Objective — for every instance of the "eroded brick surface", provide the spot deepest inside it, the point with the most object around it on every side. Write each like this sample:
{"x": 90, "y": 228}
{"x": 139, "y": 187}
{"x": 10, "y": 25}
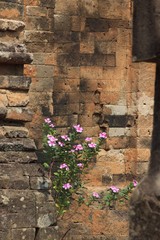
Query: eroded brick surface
{"x": 82, "y": 72}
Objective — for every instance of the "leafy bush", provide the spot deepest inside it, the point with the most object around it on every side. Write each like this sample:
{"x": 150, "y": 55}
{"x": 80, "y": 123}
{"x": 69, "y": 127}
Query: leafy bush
{"x": 68, "y": 157}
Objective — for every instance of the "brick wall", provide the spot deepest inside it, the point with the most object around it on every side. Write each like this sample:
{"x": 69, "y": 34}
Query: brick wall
{"x": 82, "y": 72}
{"x": 27, "y": 207}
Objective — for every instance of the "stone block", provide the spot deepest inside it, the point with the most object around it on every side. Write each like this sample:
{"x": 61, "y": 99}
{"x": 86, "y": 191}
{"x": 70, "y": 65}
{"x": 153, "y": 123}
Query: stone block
{"x": 103, "y": 25}
{"x": 34, "y": 170}
{"x": 38, "y": 37}
{"x": 71, "y": 7}
{"x": 144, "y": 142}
{"x": 102, "y": 60}
{"x": 11, "y": 25}
{"x": 115, "y": 132}
{"x": 120, "y": 120}
{"x": 117, "y": 109}
{"x": 66, "y": 85}
{"x": 36, "y": 11}
{"x": 18, "y": 144}
{"x": 40, "y": 183}
{"x": 5, "y": 234}
{"x": 11, "y": 10}
{"x": 18, "y": 157}
{"x": 15, "y": 58}
{"x": 15, "y": 132}
{"x": 46, "y": 219}
{"x": 23, "y": 233}
{"x": 62, "y": 22}
{"x": 44, "y": 71}
{"x": 14, "y": 182}
{"x": 42, "y": 84}
{"x": 76, "y": 23}
{"x": 142, "y": 168}
{"x": 44, "y": 59}
{"x": 47, "y": 3}
{"x": 18, "y": 208}
{"x": 19, "y": 114}
{"x": 15, "y": 82}
{"x": 115, "y": 9}
{"x": 38, "y": 23}
{"x": 89, "y": 8}
{"x": 121, "y": 142}
{"x": 48, "y": 233}
{"x": 3, "y": 110}
{"x": 17, "y": 99}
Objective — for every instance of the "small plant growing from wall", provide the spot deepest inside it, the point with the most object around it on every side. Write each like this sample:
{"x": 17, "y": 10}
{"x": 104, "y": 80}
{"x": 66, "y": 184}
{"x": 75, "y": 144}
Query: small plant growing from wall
{"x": 68, "y": 158}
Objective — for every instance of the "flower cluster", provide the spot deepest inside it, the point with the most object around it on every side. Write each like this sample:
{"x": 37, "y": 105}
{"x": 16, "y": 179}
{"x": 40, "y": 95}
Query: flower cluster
{"x": 69, "y": 157}
{"x": 116, "y": 194}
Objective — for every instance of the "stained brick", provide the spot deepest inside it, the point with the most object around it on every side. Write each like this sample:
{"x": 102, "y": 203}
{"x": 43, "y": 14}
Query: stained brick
{"x": 120, "y": 120}
{"x": 103, "y": 25}
{"x": 36, "y": 11}
{"x": 19, "y": 114}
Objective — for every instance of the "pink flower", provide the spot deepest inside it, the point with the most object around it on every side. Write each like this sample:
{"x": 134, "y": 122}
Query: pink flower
{"x": 103, "y": 135}
{"x": 60, "y": 144}
{"x": 88, "y": 139}
{"x": 51, "y": 140}
{"x": 92, "y": 145}
{"x": 65, "y": 137}
{"x": 135, "y": 183}
{"x": 78, "y": 128}
{"x": 78, "y": 147}
{"x": 95, "y": 194}
{"x": 114, "y": 189}
{"x": 64, "y": 165}
{"x": 52, "y": 125}
{"x": 80, "y": 165}
{"x": 51, "y": 143}
{"x": 47, "y": 120}
{"x": 72, "y": 151}
{"x": 67, "y": 186}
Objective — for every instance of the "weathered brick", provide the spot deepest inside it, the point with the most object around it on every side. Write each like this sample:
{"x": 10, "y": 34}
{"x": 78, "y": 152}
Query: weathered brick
{"x": 115, "y": 9}
{"x": 71, "y": 7}
{"x": 121, "y": 142}
{"x": 144, "y": 142}
{"x": 42, "y": 85}
{"x": 19, "y": 114}
{"x": 119, "y": 120}
{"x": 19, "y": 144}
{"x": 24, "y": 233}
{"x": 36, "y": 11}
{"x": 47, "y": 233}
{"x": 76, "y": 23}
{"x": 3, "y": 110}
{"x": 40, "y": 183}
{"x": 67, "y": 85}
{"x": 103, "y": 25}
{"x": 47, "y": 3}
{"x": 38, "y": 23}
{"x": 87, "y": 44}
{"x": 21, "y": 157}
{"x": 11, "y": 10}
{"x": 13, "y": 132}
{"x": 11, "y": 25}
{"x": 15, "y": 82}
{"x": 92, "y": 72}
{"x": 38, "y": 36}
{"x": 89, "y": 8}
{"x": 62, "y": 23}
{"x": 17, "y": 99}
{"x": 15, "y": 58}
